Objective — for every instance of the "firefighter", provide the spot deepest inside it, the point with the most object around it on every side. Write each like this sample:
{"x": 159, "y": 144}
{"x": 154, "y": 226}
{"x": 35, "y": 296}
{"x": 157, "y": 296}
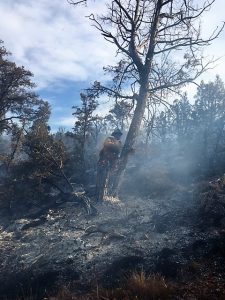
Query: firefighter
{"x": 107, "y": 163}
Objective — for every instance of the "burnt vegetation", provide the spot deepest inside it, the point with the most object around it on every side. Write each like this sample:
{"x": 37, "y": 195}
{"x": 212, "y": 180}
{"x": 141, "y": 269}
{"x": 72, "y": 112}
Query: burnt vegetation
{"x": 169, "y": 180}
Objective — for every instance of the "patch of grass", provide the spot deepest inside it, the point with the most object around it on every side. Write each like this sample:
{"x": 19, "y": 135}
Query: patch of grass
{"x": 145, "y": 287}
{"x": 64, "y": 293}
{"x": 138, "y": 286}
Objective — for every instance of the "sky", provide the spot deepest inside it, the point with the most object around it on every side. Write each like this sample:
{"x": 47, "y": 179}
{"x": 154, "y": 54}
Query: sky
{"x": 56, "y": 42}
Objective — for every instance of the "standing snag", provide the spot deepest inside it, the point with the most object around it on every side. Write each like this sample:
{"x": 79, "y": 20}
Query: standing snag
{"x": 159, "y": 44}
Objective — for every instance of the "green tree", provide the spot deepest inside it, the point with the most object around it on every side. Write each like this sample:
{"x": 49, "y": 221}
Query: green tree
{"x": 18, "y": 101}
{"x": 210, "y": 120}
{"x": 45, "y": 153}
{"x": 85, "y": 118}
{"x": 182, "y": 115}
{"x": 120, "y": 114}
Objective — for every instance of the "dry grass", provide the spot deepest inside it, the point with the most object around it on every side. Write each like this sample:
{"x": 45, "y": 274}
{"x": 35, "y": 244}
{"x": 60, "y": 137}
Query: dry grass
{"x": 148, "y": 287}
{"x": 64, "y": 293}
{"x": 138, "y": 286}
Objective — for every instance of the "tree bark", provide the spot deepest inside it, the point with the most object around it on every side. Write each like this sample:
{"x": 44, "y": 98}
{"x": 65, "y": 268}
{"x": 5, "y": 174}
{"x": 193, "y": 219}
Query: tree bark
{"x": 144, "y": 71}
{"x": 132, "y": 135}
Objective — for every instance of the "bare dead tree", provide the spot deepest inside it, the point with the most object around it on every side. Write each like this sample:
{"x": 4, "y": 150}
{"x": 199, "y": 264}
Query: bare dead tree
{"x": 160, "y": 43}
{"x": 77, "y": 2}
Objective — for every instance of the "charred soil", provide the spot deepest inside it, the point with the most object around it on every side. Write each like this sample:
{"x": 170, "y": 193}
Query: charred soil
{"x": 167, "y": 242}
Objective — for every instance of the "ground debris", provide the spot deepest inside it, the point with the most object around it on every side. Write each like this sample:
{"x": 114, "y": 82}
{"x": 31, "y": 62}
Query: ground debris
{"x": 155, "y": 235}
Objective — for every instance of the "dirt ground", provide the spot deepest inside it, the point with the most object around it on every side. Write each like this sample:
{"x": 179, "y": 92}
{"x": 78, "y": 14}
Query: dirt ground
{"x": 65, "y": 245}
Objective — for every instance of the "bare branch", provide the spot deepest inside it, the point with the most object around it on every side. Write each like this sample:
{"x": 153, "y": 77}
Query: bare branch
{"x": 77, "y": 2}
{"x": 147, "y": 33}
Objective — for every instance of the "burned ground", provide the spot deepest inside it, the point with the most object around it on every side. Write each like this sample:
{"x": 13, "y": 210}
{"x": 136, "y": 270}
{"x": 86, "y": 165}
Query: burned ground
{"x": 65, "y": 246}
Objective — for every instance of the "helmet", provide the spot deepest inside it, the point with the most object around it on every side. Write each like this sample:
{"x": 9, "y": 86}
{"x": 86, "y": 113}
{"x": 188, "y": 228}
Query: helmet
{"x": 117, "y": 132}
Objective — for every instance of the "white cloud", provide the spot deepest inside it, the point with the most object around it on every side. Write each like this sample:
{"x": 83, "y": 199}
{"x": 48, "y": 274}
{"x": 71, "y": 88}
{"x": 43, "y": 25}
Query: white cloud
{"x": 57, "y": 43}
{"x": 213, "y": 19}
{"x": 64, "y": 122}
{"x": 54, "y": 41}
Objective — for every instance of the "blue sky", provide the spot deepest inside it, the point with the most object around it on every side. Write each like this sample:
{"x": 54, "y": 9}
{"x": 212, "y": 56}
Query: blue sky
{"x": 55, "y": 41}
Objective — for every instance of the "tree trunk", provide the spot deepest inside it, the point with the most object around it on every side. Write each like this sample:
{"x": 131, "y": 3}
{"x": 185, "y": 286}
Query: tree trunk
{"x": 131, "y": 135}
{"x": 144, "y": 71}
